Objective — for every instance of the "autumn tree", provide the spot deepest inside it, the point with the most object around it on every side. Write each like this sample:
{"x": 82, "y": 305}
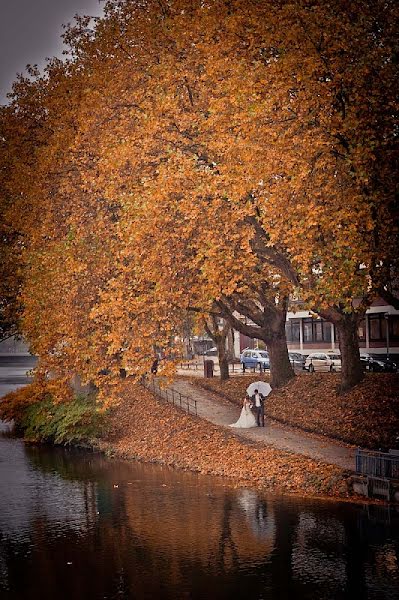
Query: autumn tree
{"x": 224, "y": 154}
{"x": 21, "y": 133}
{"x": 266, "y": 111}
{"x": 219, "y": 332}
{"x": 10, "y": 280}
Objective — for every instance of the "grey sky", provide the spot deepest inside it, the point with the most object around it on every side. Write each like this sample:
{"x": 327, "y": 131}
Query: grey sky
{"x": 30, "y": 31}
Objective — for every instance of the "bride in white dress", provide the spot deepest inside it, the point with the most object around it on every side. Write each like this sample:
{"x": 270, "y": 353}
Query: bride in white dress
{"x": 247, "y": 419}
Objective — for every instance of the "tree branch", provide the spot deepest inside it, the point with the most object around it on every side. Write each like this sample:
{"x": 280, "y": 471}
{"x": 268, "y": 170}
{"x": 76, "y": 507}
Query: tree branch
{"x": 249, "y": 330}
{"x": 190, "y": 95}
{"x": 270, "y": 253}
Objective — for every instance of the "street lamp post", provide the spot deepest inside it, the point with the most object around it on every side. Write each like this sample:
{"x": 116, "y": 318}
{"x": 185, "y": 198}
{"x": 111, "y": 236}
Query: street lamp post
{"x": 386, "y": 316}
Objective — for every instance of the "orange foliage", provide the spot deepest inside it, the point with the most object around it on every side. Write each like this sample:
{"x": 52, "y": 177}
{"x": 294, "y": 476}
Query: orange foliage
{"x": 189, "y": 153}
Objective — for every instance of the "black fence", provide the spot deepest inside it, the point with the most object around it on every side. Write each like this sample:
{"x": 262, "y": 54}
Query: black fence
{"x": 233, "y": 367}
{"x": 199, "y": 366}
{"x": 378, "y": 464}
{"x": 186, "y": 403}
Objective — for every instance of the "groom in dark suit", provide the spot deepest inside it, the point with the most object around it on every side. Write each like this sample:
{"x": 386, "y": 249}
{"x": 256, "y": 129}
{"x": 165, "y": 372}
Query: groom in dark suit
{"x": 258, "y": 401}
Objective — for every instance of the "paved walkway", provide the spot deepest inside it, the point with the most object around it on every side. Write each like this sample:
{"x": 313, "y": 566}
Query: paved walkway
{"x": 222, "y": 412}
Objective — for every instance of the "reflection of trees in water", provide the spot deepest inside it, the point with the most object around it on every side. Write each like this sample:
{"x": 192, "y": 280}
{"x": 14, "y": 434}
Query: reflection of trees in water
{"x": 31, "y": 494}
{"x": 197, "y": 523}
{"x": 158, "y": 531}
{"x": 163, "y": 534}
{"x": 228, "y": 556}
{"x": 382, "y": 573}
{"x": 69, "y": 463}
{"x": 317, "y": 553}
{"x": 336, "y": 553}
{"x": 194, "y": 521}
{"x": 198, "y": 537}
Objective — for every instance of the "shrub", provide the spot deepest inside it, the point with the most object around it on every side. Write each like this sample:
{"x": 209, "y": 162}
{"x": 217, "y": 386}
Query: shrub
{"x": 41, "y": 419}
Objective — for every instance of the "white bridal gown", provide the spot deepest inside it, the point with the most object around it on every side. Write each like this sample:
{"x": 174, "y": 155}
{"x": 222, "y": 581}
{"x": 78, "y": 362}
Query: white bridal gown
{"x": 246, "y": 419}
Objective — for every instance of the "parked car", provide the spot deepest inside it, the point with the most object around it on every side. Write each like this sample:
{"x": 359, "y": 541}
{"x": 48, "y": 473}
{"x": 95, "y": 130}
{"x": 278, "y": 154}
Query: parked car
{"x": 378, "y": 363}
{"x": 323, "y": 361}
{"x": 297, "y": 360}
{"x": 391, "y": 366}
{"x": 255, "y": 358}
{"x": 211, "y": 352}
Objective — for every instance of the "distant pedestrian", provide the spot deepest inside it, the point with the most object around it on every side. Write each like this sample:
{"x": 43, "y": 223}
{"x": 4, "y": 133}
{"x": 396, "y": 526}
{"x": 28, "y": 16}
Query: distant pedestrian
{"x": 154, "y": 367}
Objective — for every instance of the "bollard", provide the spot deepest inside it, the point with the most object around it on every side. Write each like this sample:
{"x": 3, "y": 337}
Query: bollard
{"x": 208, "y": 368}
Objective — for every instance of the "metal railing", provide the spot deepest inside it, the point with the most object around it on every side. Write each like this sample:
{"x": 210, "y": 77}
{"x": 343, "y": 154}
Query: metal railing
{"x": 233, "y": 367}
{"x": 377, "y": 464}
{"x": 199, "y": 366}
{"x": 182, "y": 401}
{"x": 379, "y": 487}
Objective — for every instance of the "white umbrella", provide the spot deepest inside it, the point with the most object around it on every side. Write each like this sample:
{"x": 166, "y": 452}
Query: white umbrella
{"x": 262, "y": 387}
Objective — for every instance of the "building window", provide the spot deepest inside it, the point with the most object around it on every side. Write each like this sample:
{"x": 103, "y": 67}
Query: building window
{"x": 316, "y": 330}
{"x": 327, "y": 331}
{"x": 378, "y": 327}
{"x": 308, "y": 330}
{"x": 394, "y": 327}
{"x": 292, "y": 328}
{"x": 374, "y": 327}
{"x": 361, "y": 330}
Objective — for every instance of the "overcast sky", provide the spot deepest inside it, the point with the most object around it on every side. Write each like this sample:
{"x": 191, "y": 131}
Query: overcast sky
{"x": 30, "y": 31}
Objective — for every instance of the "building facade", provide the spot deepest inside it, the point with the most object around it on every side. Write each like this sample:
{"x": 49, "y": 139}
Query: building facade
{"x": 378, "y": 331}
{"x": 306, "y": 332}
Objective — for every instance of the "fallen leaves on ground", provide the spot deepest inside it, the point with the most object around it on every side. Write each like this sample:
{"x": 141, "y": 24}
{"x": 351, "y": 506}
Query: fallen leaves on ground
{"x": 367, "y": 416}
{"x": 145, "y": 428}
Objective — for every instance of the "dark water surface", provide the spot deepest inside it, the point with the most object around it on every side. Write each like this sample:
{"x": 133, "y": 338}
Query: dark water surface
{"x": 75, "y": 525}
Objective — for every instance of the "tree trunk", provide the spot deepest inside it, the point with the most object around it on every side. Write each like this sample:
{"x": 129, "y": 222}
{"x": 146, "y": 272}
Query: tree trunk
{"x": 219, "y": 336}
{"x": 352, "y": 372}
{"x": 223, "y": 358}
{"x": 269, "y": 327}
{"x": 281, "y": 370}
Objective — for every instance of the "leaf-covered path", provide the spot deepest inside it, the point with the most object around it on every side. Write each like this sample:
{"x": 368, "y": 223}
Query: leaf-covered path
{"x": 222, "y": 412}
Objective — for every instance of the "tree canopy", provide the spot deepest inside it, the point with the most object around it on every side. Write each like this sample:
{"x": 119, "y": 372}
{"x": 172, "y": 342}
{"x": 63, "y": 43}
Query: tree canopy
{"x": 214, "y": 156}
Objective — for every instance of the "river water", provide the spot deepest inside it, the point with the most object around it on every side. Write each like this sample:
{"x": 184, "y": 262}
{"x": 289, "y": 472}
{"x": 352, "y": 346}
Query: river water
{"x": 76, "y": 525}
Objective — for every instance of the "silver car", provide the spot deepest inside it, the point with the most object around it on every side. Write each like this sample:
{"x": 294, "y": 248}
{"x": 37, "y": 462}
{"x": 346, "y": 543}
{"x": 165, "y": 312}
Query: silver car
{"x": 323, "y": 361}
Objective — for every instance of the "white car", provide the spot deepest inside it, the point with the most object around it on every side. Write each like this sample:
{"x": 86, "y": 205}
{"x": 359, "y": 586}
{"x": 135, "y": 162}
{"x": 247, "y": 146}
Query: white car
{"x": 323, "y": 361}
{"x": 211, "y": 351}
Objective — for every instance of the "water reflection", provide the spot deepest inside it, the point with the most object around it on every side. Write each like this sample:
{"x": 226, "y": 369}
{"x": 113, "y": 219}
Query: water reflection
{"x": 76, "y": 525}
{"x": 318, "y": 551}
{"x": 93, "y": 528}
{"x": 29, "y": 495}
